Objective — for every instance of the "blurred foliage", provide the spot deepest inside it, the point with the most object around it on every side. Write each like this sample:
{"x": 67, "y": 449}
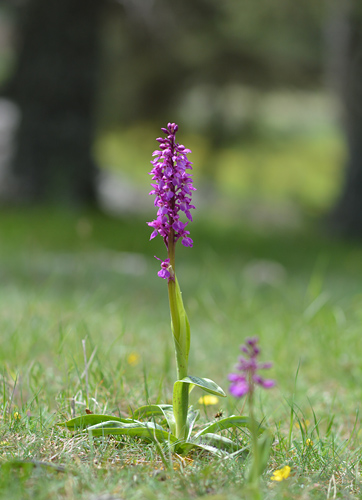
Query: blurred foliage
{"x": 244, "y": 80}
{"x": 279, "y": 164}
{"x": 157, "y": 56}
{"x": 155, "y": 53}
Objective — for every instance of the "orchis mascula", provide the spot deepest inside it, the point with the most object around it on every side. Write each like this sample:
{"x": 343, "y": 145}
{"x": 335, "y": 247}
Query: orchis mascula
{"x": 244, "y": 384}
{"x": 172, "y": 187}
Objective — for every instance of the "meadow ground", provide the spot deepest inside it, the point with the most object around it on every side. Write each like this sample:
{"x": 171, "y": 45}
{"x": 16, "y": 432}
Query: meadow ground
{"x": 69, "y": 277}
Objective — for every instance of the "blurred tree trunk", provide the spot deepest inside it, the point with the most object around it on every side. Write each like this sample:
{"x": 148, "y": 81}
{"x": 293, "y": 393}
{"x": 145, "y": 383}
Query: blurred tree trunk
{"x": 54, "y": 85}
{"x": 345, "y": 47}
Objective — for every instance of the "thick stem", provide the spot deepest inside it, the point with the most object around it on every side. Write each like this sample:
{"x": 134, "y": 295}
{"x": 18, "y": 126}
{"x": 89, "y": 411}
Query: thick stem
{"x": 180, "y": 403}
{"x": 175, "y": 319}
{"x": 180, "y": 400}
{"x": 181, "y": 359}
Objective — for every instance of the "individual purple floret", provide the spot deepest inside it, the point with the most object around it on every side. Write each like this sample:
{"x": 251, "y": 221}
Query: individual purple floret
{"x": 166, "y": 269}
{"x": 244, "y": 382}
{"x": 172, "y": 186}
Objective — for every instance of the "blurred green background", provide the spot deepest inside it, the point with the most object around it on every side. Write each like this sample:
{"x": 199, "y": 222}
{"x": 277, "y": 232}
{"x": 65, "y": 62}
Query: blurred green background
{"x": 258, "y": 91}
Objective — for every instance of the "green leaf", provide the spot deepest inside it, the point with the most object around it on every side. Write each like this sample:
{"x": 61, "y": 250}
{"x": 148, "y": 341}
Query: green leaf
{"x": 184, "y": 334}
{"x": 180, "y": 327}
{"x": 241, "y": 451}
{"x": 180, "y": 400}
{"x": 186, "y": 447}
{"x": 219, "y": 442}
{"x": 151, "y": 411}
{"x": 181, "y": 335}
{"x": 226, "y": 423}
{"x": 129, "y": 425}
{"x": 192, "y": 416}
{"x": 204, "y": 383}
{"x": 149, "y": 431}
{"x": 87, "y": 420}
{"x": 155, "y": 411}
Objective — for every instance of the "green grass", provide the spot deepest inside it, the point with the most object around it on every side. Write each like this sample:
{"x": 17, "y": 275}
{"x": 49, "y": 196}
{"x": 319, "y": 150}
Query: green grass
{"x": 67, "y": 277}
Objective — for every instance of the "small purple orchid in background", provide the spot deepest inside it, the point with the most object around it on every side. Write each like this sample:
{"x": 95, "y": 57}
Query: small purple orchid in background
{"x": 244, "y": 383}
{"x": 173, "y": 189}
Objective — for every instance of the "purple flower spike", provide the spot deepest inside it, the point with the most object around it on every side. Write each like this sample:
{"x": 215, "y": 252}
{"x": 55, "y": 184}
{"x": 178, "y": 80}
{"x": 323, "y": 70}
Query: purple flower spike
{"x": 172, "y": 186}
{"x": 244, "y": 382}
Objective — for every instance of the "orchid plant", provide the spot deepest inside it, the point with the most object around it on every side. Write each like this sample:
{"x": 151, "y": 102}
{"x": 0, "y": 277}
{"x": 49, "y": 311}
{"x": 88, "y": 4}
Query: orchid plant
{"x": 173, "y": 424}
{"x": 243, "y": 384}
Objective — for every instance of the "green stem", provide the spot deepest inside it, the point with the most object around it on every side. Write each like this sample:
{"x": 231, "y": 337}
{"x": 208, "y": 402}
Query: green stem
{"x": 180, "y": 404}
{"x": 181, "y": 360}
{"x": 171, "y": 248}
{"x": 181, "y": 357}
{"x": 180, "y": 400}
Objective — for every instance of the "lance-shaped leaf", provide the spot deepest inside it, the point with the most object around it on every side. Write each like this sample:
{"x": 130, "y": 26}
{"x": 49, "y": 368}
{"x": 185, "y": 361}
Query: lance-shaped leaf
{"x": 165, "y": 411}
{"x": 114, "y": 424}
{"x": 204, "y": 383}
{"x": 148, "y": 431}
{"x": 192, "y": 416}
{"x": 92, "y": 419}
{"x": 219, "y": 442}
{"x": 227, "y": 423}
{"x": 186, "y": 447}
{"x": 180, "y": 327}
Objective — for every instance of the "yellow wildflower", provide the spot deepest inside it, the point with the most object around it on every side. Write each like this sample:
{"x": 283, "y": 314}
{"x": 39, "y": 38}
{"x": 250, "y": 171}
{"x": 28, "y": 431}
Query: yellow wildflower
{"x": 279, "y": 475}
{"x": 309, "y": 442}
{"x": 133, "y": 358}
{"x": 17, "y": 415}
{"x": 208, "y": 400}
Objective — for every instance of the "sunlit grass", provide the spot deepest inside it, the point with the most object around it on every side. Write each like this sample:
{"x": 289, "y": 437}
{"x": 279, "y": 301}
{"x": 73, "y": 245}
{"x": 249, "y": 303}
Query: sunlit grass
{"x": 298, "y": 291}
